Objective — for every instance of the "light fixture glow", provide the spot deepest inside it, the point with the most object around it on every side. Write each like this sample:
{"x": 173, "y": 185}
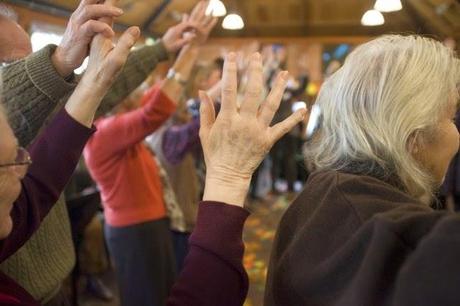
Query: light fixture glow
{"x": 233, "y": 22}
{"x": 388, "y": 5}
{"x": 216, "y": 8}
{"x": 372, "y": 18}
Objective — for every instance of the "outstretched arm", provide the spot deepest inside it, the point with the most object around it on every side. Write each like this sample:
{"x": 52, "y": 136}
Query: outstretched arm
{"x": 234, "y": 143}
{"x": 57, "y": 150}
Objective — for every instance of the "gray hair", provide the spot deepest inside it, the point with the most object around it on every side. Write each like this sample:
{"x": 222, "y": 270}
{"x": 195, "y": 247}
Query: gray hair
{"x": 389, "y": 93}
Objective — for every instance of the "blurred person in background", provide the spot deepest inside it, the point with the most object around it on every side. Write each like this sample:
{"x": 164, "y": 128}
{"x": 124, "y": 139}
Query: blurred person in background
{"x": 177, "y": 146}
{"x": 137, "y": 227}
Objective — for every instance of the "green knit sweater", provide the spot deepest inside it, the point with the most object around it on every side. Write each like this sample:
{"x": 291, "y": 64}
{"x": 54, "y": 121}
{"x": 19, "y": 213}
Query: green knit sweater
{"x": 32, "y": 90}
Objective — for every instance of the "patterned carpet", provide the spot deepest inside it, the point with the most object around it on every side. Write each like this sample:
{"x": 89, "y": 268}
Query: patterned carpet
{"x": 258, "y": 236}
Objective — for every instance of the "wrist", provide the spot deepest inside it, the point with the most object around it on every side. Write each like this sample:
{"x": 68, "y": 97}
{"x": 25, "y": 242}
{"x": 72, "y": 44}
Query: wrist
{"x": 59, "y": 64}
{"x": 171, "y": 54}
{"x": 226, "y": 189}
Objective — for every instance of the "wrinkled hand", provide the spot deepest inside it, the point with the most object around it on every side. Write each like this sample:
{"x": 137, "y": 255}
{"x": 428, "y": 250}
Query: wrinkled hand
{"x": 237, "y": 140}
{"x": 202, "y": 23}
{"x": 83, "y": 25}
{"x": 105, "y": 62}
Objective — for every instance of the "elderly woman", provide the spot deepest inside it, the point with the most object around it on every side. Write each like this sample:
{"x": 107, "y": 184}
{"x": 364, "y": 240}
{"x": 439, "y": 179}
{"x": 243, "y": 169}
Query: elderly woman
{"x": 27, "y": 193}
{"x": 362, "y": 231}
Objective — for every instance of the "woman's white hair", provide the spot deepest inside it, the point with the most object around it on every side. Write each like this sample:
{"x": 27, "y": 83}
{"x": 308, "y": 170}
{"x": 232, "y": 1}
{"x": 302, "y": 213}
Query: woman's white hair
{"x": 387, "y": 97}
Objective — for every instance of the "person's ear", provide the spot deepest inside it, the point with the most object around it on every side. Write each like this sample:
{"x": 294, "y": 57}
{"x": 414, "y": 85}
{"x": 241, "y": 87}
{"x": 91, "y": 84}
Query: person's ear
{"x": 415, "y": 143}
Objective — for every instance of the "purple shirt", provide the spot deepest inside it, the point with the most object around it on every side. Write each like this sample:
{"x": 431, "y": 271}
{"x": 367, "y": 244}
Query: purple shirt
{"x": 178, "y": 140}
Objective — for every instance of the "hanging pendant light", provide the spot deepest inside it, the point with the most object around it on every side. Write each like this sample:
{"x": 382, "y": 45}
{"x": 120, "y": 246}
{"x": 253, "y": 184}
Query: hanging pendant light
{"x": 233, "y": 22}
{"x": 216, "y": 8}
{"x": 387, "y": 6}
{"x": 372, "y": 18}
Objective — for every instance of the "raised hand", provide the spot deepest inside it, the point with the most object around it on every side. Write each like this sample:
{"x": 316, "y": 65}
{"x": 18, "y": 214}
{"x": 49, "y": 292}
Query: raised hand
{"x": 105, "y": 62}
{"x": 178, "y": 36}
{"x": 83, "y": 25}
{"x": 237, "y": 140}
{"x": 194, "y": 28}
{"x": 203, "y": 24}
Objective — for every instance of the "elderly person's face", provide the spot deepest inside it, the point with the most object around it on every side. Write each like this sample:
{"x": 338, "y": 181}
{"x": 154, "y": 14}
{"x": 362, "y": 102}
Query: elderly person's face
{"x": 437, "y": 152}
{"x": 9, "y": 178}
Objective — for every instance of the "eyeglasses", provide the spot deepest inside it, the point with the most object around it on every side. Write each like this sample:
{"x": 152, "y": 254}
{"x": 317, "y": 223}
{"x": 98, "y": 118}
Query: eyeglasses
{"x": 21, "y": 163}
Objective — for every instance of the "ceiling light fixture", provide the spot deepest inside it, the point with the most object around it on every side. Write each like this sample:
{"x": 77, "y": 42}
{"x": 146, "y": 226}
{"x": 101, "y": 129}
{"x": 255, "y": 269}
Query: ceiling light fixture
{"x": 372, "y": 18}
{"x": 233, "y": 22}
{"x": 387, "y": 6}
{"x": 216, "y": 8}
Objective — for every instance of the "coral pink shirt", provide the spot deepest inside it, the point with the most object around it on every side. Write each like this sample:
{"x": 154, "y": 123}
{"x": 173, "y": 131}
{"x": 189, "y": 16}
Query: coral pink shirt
{"x": 123, "y": 167}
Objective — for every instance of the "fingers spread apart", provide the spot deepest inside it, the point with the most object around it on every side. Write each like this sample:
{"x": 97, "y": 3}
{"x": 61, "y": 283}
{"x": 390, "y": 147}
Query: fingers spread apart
{"x": 254, "y": 87}
{"x": 229, "y": 85}
{"x": 272, "y": 103}
{"x": 282, "y": 128}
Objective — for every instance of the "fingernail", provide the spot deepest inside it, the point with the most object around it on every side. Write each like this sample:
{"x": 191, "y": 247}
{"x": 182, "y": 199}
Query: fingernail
{"x": 256, "y": 56}
{"x": 284, "y": 75}
{"x": 119, "y": 11}
{"x": 134, "y": 31}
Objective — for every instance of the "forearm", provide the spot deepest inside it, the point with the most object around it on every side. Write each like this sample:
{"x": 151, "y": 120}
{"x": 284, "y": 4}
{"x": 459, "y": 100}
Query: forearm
{"x": 83, "y": 103}
{"x": 140, "y": 64}
{"x": 213, "y": 273}
{"x": 182, "y": 66}
{"x": 122, "y": 131}
{"x": 32, "y": 89}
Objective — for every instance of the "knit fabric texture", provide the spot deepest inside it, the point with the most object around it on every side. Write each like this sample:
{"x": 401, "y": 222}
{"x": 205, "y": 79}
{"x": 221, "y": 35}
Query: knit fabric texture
{"x": 47, "y": 258}
{"x": 32, "y": 89}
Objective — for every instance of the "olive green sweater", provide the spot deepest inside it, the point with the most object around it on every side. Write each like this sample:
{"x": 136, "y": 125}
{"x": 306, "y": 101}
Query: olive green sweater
{"x": 32, "y": 91}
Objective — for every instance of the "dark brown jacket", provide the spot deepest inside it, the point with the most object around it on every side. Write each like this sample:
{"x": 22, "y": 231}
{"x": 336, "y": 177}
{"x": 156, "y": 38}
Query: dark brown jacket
{"x": 355, "y": 240}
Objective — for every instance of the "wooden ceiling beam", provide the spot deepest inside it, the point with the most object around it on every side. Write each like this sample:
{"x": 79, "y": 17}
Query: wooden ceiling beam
{"x": 311, "y": 30}
{"x": 155, "y": 14}
{"x": 434, "y": 21}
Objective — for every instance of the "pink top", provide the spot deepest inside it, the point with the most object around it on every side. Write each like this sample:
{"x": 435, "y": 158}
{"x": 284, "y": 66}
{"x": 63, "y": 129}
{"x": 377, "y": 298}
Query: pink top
{"x": 123, "y": 167}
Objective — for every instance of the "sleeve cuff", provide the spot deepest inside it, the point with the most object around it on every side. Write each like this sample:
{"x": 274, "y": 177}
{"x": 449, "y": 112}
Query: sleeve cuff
{"x": 219, "y": 228}
{"x": 160, "y": 49}
{"x": 44, "y": 76}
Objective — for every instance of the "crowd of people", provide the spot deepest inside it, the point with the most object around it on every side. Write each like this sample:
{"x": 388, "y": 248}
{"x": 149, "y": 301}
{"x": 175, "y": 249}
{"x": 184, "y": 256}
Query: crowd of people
{"x": 175, "y": 160}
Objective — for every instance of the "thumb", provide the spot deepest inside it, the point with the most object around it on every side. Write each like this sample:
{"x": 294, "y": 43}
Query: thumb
{"x": 117, "y": 57}
{"x": 282, "y": 128}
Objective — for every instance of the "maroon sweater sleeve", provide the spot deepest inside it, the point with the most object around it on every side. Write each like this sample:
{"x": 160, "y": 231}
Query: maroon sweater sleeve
{"x": 213, "y": 272}
{"x": 55, "y": 154}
